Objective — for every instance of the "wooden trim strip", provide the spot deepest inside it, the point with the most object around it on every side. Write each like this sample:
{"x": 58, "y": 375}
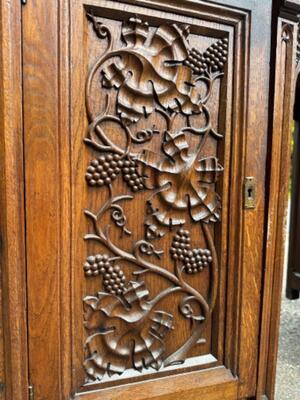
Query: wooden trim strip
{"x": 12, "y": 249}
{"x": 277, "y": 214}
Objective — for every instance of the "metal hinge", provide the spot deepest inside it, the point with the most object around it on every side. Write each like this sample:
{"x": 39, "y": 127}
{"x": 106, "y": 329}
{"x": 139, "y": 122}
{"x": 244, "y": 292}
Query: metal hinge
{"x": 23, "y": 2}
{"x": 30, "y": 392}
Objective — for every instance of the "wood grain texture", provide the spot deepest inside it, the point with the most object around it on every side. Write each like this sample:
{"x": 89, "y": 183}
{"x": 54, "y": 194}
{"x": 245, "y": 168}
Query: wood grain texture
{"x": 253, "y": 235}
{"x": 12, "y": 241}
{"x": 278, "y": 197}
{"x": 59, "y": 48}
{"x": 181, "y": 157}
{"x": 79, "y": 70}
{"x": 212, "y": 384}
{"x": 46, "y": 147}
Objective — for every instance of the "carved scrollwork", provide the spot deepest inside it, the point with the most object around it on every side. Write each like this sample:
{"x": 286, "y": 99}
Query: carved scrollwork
{"x": 144, "y": 135}
{"x": 156, "y": 71}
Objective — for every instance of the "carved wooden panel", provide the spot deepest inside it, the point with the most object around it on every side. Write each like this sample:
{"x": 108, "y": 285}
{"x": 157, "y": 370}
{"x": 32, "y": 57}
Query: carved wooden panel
{"x": 150, "y": 267}
{"x": 169, "y": 174}
{"x": 156, "y": 145}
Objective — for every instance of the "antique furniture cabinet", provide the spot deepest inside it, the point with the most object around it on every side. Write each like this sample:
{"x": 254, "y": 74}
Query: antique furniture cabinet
{"x": 145, "y": 151}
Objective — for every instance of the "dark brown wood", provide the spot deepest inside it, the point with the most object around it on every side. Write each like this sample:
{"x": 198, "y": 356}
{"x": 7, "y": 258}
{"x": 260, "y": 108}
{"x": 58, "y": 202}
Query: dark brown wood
{"x": 164, "y": 293}
{"x": 14, "y": 376}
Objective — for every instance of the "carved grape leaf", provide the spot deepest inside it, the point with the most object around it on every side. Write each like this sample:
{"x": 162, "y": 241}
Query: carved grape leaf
{"x": 176, "y": 147}
{"x": 209, "y": 169}
{"x": 184, "y": 180}
{"x": 149, "y": 71}
{"x": 129, "y": 331}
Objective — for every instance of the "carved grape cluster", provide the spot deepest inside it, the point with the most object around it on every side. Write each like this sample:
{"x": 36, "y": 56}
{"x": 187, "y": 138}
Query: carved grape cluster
{"x": 114, "y": 280}
{"x": 214, "y": 57}
{"x": 194, "y": 260}
{"x": 104, "y": 170}
{"x": 197, "y": 260}
{"x": 181, "y": 245}
{"x": 131, "y": 175}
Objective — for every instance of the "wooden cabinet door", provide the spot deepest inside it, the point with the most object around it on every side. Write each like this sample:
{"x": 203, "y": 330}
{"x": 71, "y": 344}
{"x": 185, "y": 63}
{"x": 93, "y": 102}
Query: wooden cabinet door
{"x": 142, "y": 122}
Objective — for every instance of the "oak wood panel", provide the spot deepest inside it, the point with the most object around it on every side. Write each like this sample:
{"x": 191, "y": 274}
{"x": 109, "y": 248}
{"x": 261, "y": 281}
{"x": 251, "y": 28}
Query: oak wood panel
{"x": 55, "y": 200}
{"x": 255, "y": 157}
{"x": 252, "y": 277}
{"x": 278, "y": 178}
{"x": 250, "y": 273}
{"x": 12, "y": 249}
{"x": 77, "y": 120}
{"x": 212, "y": 384}
{"x": 283, "y": 128}
{"x": 46, "y": 142}
{"x": 80, "y": 173}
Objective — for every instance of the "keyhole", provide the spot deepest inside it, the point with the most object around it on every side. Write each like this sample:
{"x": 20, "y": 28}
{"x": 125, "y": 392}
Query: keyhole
{"x": 250, "y": 193}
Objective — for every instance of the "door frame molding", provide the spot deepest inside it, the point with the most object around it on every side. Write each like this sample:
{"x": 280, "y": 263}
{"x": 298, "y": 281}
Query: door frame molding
{"x": 12, "y": 222}
{"x": 282, "y": 93}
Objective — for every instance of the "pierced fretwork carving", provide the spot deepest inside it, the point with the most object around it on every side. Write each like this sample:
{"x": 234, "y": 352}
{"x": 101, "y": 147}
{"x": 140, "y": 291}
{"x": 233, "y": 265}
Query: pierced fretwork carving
{"x": 156, "y": 71}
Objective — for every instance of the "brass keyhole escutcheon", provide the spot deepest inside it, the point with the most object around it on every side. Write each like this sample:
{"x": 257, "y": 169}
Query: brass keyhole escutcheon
{"x": 250, "y": 193}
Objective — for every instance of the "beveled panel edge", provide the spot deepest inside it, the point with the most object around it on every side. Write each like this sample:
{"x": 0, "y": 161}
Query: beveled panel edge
{"x": 196, "y": 384}
{"x": 187, "y": 8}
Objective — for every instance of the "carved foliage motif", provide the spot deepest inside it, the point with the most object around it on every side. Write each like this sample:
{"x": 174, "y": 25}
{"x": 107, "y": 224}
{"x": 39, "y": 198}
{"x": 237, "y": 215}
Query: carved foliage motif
{"x": 156, "y": 71}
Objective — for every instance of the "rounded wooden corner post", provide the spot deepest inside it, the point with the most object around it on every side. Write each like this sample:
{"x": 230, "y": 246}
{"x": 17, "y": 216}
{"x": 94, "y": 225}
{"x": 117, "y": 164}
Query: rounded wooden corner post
{"x": 13, "y": 358}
